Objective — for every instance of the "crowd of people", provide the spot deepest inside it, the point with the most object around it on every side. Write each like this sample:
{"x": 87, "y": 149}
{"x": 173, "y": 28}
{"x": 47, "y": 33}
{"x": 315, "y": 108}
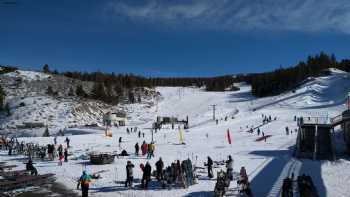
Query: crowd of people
{"x": 178, "y": 173}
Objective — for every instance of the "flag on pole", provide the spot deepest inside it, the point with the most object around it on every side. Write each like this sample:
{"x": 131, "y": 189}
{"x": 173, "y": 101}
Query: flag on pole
{"x": 181, "y": 136}
{"x": 229, "y": 136}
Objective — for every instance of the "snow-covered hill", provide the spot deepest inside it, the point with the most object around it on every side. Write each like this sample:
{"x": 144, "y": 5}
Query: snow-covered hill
{"x": 267, "y": 163}
{"x": 29, "y": 103}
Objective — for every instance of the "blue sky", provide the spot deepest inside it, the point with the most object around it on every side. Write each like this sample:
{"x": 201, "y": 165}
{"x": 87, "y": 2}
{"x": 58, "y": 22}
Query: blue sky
{"x": 171, "y": 38}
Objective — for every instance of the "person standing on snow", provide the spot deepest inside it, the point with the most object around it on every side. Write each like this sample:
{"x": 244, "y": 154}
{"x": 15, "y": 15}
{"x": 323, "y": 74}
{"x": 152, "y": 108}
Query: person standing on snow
{"x": 159, "y": 168}
{"x": 210, "y": 167}
{"x": 55, "y": 140}
{"x": 229, "y": 167}
{"x": 243, "y": 174}
{"x": 67, "y": 141}
{"x": 146, "y": 175}
{"x": 65, "y": 155}
{"x": 137, "y": 148}
{"x": 129, "y": 174}
{"x": 144, "y": 147}
{"x": 84, "y": 182}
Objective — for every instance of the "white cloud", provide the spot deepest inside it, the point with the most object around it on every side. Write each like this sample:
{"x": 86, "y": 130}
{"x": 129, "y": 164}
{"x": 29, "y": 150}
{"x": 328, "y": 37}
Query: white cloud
{"x": 296, "y": 15}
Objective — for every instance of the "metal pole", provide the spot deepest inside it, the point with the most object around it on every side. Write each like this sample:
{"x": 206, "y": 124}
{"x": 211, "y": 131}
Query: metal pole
{"x": 213, "y": 111}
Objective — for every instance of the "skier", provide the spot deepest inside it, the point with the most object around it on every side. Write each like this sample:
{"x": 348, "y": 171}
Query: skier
{"x": 229, "y": 167}
{"x": 129, "y": 174}
{"x": 60, "y": 158}
{"x": 137, "y": 148}
{"x": 287, "y": 131}
{"x": 146, "y": 175}
{"x": 263, "y": 134}
{"x": 67, "y": 141}
{"x": 258, "y": 131}
{"x": 55, "y": 140}
{"x": 143, "y": 135}
{"x": 120, "y": 141}
{"x": 139, "y": 134}
{"x": 210, "y": 167}
{"x": 159, "y": 168}
{"x": 84, "y": 182}
{"x": 31, "y": 168}
{"x": 65, "y": 155}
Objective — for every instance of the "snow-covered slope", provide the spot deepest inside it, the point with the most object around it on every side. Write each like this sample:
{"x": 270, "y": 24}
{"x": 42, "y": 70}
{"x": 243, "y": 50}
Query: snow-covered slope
{"x": 320, "y": 92}
{"x": 267, "y": 163}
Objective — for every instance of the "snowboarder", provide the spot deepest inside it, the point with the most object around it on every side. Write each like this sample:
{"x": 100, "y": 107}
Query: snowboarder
{"x": 159, "y": 168}
{"x": 210, "y": 167}
{"x": 67, "y": 142}
{"x": 31, "y": 168}
{"x": 129, "y": 174}
{"x": 146, "y": 177}
{"x": 137, "y": 148}
{"x": 229, "y": 167}
{"x": 84, "y": 182}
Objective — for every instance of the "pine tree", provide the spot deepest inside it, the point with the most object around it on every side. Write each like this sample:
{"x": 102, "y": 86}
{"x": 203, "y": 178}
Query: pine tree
{"x": 2, "y": 98}
{"x": 131, "y": 96}
{"x": 46, "y": 68}
{"x": 71, "y": 92}
{"x": 80, "y": 91}
{"x": 46, "y": 132}
{"x": 98, "y": 92}
{"x": 139, "y": 98}
{"x": 50, "y": 91}
{"x": 7, "y": 109}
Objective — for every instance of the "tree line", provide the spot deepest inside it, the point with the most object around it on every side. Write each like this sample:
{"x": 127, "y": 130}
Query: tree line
{"x": 284, "y": 79}
{"x": 108, "y": 87}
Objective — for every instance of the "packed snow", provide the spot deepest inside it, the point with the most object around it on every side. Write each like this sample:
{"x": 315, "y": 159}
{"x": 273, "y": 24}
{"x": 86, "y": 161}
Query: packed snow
{"x": 267, "y": 163}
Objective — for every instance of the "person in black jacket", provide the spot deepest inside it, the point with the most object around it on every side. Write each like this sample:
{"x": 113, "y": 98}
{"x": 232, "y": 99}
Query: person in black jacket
{"x": 137, "y": 148}
{"x": 210, "y": 167}
{"x": 159, "y": 167}
{"x": 31, "y": 168}
{"x": 129, "y": 174}
{"x": 146, "y": 175}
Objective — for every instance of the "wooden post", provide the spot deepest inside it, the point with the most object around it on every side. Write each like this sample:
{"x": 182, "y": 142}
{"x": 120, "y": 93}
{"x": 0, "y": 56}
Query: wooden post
{"x": 331, "y": 134}
{"x": 315, "y": 143}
